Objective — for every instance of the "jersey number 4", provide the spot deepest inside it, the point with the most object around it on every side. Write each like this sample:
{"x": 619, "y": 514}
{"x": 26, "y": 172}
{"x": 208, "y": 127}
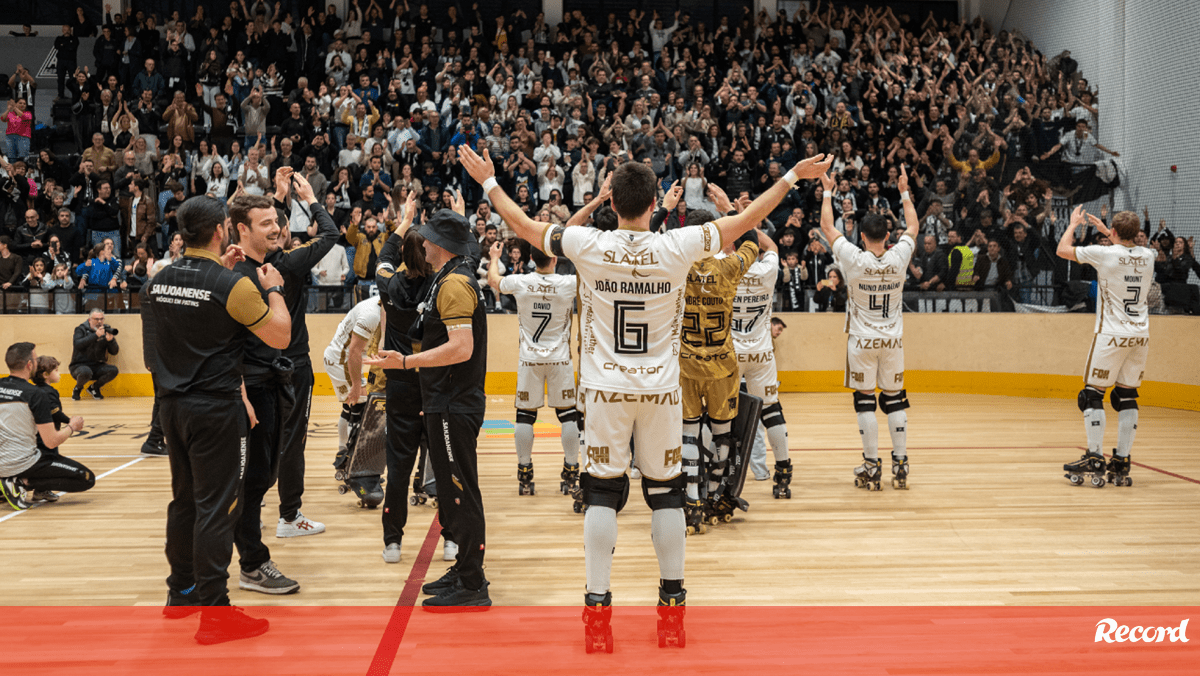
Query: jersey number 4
{"x": 631, "y": 337}
{"x": 884, "y": 307}
{"x": 710, "y": 336}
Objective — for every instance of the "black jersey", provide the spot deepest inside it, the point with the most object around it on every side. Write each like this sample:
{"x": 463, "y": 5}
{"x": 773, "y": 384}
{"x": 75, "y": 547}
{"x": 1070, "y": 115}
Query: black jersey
{"x": 295, "y": 266}
{"x": 400, "y": 295}
{"x": 204, "y": 314}
{"x": 454, "y": 303}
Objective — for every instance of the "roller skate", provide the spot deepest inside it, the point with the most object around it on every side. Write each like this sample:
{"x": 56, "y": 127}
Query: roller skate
{"x": 525, "y": 479}
{"x": 783, "y": 481}
{"x": 340, "y": 463}
{"x": 1088, "y": 464}
{"x": 671, "y": 608}
{"x": 597, "y": 619}
{"x": 899, "y": 472}
{"x": 693, "y": 513}
{"x": 570, "y": 478}
{"x": 719, "y": 510}
{"x": 1118, "y": 470}
{"x": 867, "y": 474}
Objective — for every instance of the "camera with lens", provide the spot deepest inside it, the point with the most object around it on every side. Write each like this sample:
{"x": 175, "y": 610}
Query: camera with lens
{"x": 110, "y": 330}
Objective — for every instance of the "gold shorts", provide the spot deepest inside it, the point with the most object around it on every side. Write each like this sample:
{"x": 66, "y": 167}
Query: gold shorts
{"x": 717, "y": 396}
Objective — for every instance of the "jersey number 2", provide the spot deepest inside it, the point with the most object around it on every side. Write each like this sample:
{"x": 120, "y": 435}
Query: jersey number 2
{"x": 631, "y": 337}
{"x": 1131, "y": 302}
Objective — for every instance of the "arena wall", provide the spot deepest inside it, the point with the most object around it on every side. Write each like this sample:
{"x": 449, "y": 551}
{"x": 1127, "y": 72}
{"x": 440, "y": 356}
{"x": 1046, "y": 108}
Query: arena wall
{"x": 1006, "y": 354}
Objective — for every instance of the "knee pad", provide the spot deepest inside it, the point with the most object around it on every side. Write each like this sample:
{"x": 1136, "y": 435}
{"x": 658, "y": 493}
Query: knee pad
{"x": 864, "y": 403}
{"x": 1124, "y": 398}
{"x": 525, "y": 417}
{"x": 566, "y": 415}
{"x": 613, "y": 493}
{"x": 772, "y": 415}
{"x": 672, "y": 498}
{"x": 1090, "y": 398}
{"x": 893, "y": 403}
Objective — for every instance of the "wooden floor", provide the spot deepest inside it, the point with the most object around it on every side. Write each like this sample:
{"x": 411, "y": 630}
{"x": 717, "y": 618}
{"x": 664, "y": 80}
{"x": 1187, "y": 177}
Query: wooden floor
{"x": 989, "y": 519}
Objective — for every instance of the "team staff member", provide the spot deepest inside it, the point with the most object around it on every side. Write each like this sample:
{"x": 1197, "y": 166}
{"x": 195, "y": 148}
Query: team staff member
{"x": 93, "y": 342}
{"x": 452, "y": 362}
{"x": 203, "y": 315}
{"x": 154, "y": 444}
{"x": 27, "y": 415}
{"x": 267, "y": 378}
{"x": 294, "y": 265}
{"x": 403, "y": 278}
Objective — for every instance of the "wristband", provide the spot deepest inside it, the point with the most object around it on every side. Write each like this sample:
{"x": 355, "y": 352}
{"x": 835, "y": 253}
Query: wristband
{"x": 489, "y": 184}
{"x": 904, "y": 197}
{"x": 791, "y": 177}
{"x": 275, "y": 289}
{"x": 404, "y": 362}
{"x": 826, "y": 194}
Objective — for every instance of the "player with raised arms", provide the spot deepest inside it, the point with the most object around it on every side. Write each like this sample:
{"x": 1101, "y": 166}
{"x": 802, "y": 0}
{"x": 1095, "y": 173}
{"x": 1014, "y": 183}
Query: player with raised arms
{"x": 631, "y": 290}
{"x": 875, "y": 326}
{"x": 1124, "y": 272}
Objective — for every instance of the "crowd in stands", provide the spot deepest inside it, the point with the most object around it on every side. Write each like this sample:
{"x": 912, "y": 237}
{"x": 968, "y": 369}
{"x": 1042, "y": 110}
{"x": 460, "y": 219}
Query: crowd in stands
{"x": 374, "y": 105}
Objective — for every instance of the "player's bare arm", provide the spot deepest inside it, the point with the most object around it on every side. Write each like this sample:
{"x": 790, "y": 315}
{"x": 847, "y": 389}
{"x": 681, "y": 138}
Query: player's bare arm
{"x": 482, "y": 170}
{"x": 766, "y": 243}
{"x": 732, "y": 227}
{"x": 494, "y": 267}
{"x": 580, "y": 217}
{"x": 354, "y": 362}
{"x": 456, "y": 350}
{"x": 1066, "y": 244}
{"x": 827, "y": 229}
{"x": 913, "y": 225}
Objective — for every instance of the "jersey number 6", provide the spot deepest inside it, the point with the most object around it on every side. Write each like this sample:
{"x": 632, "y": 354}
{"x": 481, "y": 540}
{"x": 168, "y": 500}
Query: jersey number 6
{"x": 631, "y": 337}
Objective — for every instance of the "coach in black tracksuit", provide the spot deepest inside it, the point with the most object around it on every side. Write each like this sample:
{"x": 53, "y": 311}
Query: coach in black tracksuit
{"x": 203, "y": 314}
{"x": 453, "y": 364}
{"x": 403, "y": 280}
{"x": 295, "y": 266}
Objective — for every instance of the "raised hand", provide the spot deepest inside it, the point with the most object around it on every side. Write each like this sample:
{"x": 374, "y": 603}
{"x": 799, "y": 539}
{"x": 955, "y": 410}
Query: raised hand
{"x": 480, "y": 168}
{"x": 812, "y": 167}
{"x": 1078, "y": 216}
{"x": 671, "y": 199}
{"x": 233, "y": 255}
{"x": 902, "y": 183}
{"x": 827, "y": 182}
{"x": 268, "y": 276}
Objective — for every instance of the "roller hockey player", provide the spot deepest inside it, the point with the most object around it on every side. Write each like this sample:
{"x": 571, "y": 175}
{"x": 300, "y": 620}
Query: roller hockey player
{"x": 544, "y": 373}
{"x": 632, "y": 283}
{"x": 875, "y": 324}
{"x": 753, "y": 339}
{"x": 355, "y": 335}
{"x": 1124, "y": 272}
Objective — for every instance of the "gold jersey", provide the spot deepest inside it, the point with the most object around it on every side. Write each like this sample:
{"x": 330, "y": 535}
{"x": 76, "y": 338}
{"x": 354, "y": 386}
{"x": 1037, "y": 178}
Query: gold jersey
{"x": 707, "y": 346}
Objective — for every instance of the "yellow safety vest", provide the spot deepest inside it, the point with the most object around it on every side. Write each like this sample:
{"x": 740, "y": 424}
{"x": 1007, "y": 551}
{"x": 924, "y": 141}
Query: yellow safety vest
{"x": 966, "y": 273}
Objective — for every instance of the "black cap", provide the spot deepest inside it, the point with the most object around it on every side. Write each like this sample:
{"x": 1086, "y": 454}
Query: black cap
{"x": 448, "y": 230}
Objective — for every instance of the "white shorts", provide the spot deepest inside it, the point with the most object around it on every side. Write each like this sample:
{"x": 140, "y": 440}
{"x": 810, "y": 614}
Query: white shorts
{"x": 872, "y": 362}
{"x": 1116, "y": 360}
{"x": 653, "y": 421}
{"x": 762, "y": 380}
{"x": 556, "y": 378}
{"x": 340, "y": 376}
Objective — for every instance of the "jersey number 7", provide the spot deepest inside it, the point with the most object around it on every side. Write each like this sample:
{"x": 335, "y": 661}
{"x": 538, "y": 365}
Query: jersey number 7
{"x": 545, "y": 317}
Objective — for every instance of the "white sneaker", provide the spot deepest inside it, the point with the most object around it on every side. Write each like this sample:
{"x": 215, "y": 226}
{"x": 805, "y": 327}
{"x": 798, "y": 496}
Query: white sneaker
{"x": 635, "y": 473}
{"x": 301, "y": 526}
{"x": 391, "y": 553}
{"x": 450, "y": 551}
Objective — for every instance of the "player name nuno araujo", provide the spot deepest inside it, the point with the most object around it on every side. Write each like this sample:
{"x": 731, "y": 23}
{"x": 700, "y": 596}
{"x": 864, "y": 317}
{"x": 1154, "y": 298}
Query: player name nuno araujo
{"x": 1109, "y": 631}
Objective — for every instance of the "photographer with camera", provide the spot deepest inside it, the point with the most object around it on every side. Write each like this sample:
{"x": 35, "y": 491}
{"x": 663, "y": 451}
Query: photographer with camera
{"x": 94, "y": 341}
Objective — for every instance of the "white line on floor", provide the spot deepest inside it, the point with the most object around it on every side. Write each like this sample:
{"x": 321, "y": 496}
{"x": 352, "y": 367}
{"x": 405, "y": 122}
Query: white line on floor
{"x": 6, "y": 517}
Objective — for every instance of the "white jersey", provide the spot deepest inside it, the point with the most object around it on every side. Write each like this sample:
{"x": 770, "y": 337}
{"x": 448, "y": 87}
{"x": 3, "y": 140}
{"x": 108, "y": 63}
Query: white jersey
{"x": 544, "y": 308}
{"x": 631, "y": 301}
{"x": 752, "y": 306}
{"x": 363, "y": 319}
{"x": 874, "y": 287}
{"x": 1123, "y": 277}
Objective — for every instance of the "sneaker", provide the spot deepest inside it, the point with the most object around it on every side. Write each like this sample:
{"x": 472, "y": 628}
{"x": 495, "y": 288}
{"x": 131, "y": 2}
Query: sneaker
{"x": 458, "y": 599}
{"x": 442, "y": 583}
{"x": 761, "y": 477}
{"x": 298, "y": 526}
{"x": 14, "y": 494}
{"x": 268, "y": 580}
{"x": 635, "y": 473}
{"x": 154, "y": 449}
{"x": 43, "y": 496}
{"x": 75, "y": 394}
{"x": 228, "y": 623}
{"x": 181, "y": 604}
{"x": 391, "y": 553}
{"x": 450, "y": 551}
{"x": 95, "y": 392}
